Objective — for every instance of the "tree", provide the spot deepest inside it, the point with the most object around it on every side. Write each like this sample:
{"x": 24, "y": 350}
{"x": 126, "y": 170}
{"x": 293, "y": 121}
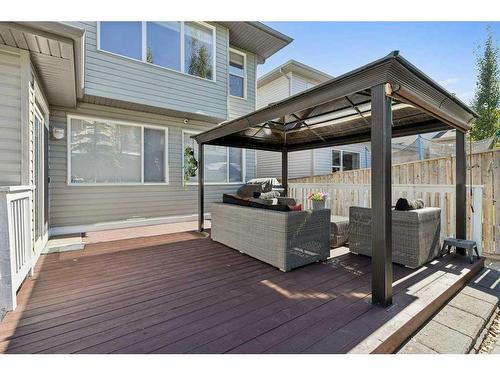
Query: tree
{"x": 199, "y": 62}
{"x": 487, "y": 96}
{"x": 149, "y": 56}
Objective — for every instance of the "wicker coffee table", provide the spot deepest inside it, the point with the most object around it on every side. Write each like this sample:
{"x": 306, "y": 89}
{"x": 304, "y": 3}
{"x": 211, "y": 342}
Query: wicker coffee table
{"x": 339, "y": 231}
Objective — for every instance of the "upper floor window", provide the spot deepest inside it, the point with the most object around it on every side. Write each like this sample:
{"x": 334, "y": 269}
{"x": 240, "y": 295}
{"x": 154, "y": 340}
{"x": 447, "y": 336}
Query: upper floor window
{"x": 237, "y": 73}
{"x": 187, "y": 47}
{"x": 112, "y": 152}
{"x": 122, "y": 38}
{"x": 344, "y": 160}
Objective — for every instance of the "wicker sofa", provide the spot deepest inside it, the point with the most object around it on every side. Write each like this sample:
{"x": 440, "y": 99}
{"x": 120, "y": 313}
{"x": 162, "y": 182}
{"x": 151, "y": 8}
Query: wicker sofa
{"x": 415, "y": 234}
{"x": 286, "y": 240}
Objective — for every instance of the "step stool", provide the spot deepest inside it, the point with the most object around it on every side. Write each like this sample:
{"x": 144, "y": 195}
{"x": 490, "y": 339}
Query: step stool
{"x": 469, "y": 246}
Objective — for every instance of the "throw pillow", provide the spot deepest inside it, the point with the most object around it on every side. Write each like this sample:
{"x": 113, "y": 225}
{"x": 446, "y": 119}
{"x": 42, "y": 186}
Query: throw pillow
{"x": 296, "y": 207}
{"x": 269, "y": 195}
{"x": 404, "y": 204}
{"x": 248, "y": 190}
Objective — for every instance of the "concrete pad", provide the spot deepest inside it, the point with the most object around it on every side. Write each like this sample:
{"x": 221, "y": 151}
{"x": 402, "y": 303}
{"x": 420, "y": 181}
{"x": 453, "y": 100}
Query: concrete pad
{"x": 415, "y": 347}
{"x": 480, "y": 293}
{"x": 443, "y": 339}
{"x": 472, "y": 305}
{"x": 461, "y": 321}
{"x": 62, "y": 244}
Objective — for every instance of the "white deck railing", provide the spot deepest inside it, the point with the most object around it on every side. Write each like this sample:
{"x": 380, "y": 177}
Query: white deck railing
{"x": 16, "y": 244}
{"x": 342, "y": 196}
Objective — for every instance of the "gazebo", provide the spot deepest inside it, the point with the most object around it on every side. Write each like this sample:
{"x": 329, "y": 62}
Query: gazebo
{"x": 386, "y": 98}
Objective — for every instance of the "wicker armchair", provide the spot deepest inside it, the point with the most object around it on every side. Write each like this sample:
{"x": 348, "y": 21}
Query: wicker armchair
{"x": 286, "y": 240}
{"x": 415, "y": 234}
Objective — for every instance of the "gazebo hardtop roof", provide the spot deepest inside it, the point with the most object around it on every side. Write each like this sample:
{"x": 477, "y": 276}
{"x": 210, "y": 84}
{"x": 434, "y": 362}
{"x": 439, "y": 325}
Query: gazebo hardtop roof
{"x": 338, "y": 111}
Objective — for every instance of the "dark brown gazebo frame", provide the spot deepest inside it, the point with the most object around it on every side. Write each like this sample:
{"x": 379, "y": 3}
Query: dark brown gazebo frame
{"x": 387, "y": 98}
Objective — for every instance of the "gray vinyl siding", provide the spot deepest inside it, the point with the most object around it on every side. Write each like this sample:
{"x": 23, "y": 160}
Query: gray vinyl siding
{"x": 301, "y": 163}
{"x": 322, "y": 161}
{"x": 124, "y": 79}
{"x": 238, "y": 107}
{"x": 272, "y": 92}
{"x": 10, "y": 116}
{"x": 300, "y": 83}
{"x": 269, "y": 164}
{"x": 323, "y": 157}
{"x": 80, "y": 205}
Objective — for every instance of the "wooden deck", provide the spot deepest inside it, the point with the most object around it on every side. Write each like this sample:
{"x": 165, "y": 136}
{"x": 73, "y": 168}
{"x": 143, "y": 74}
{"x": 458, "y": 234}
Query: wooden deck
{"x": 184, "y": 293}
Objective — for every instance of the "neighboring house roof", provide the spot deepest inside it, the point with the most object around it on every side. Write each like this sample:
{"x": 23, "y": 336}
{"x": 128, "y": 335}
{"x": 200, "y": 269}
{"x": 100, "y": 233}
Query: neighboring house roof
{"x": 444, "y": 135}
{"x": 257, "y": 38}
{"x": 56, "y": 50}
{"x": 296, "y": 67}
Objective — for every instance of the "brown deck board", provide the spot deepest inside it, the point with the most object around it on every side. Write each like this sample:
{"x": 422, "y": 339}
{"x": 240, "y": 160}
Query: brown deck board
{"x": 183, "y": 293}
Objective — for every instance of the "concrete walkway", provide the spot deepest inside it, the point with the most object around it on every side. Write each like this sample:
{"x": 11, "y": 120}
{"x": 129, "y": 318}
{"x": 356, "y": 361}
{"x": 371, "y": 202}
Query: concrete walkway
{"x": 462, "y": 325}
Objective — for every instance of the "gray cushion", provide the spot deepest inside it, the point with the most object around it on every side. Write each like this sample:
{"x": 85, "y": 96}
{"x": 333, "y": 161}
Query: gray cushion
{"x": 263, "y": 201}
{"x": 269, "y": 195}
{"x": 248, "y": 190}
{"x": 287, "y": 200}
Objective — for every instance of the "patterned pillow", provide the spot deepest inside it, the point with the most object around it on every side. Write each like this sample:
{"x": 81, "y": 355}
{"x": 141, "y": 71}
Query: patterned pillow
{"x": 248, "y": 190}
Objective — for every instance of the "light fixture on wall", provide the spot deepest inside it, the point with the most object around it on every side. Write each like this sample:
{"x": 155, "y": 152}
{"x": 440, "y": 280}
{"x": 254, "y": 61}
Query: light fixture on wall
{"x": 58, "y": 133}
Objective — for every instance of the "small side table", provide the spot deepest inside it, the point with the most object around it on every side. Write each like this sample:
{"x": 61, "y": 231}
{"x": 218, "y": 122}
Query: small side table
{"x": 469, "y": 246}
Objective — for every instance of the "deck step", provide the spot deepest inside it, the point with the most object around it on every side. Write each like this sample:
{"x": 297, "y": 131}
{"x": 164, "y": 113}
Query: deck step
{"x": 461, "y": 324}
{"x": 425, "y": 302}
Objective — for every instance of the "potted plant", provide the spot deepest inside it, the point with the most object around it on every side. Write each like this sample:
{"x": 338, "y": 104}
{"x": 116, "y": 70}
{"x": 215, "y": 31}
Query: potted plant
{"x": 318, "y": 200}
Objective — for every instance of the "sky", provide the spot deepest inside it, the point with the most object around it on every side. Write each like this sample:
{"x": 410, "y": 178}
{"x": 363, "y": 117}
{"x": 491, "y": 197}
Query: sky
{"x": 443, "y": 50}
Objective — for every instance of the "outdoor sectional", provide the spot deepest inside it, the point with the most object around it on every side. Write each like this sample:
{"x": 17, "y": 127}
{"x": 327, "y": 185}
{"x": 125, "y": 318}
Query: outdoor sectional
{"x": 286, "y": 240}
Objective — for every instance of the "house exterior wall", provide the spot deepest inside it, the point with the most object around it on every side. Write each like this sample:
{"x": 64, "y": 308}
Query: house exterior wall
{"x": 72, "y": 206}
{"x": 120, "y": 78}
{"x": 274, "y": 91}
{"x": 14, "y": 94}
{"x": 300, "y": 163}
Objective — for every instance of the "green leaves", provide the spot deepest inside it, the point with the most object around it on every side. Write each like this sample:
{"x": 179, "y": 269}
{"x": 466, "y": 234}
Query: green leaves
{"x": 487, "y": 97}
{"x": 190, "y": 164}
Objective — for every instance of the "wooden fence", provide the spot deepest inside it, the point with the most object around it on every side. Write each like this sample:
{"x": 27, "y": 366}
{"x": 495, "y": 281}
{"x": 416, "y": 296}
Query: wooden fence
{"x": 485, "y": 170}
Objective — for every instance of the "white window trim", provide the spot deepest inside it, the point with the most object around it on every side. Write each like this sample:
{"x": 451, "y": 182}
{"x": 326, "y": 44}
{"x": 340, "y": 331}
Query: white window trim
{"x": 119, "y": 122}
{"x": 244, "y": 76}
{"x": 243, "y": 161}
{"x": 144, "y": 49}
{"x": 342, "y": 159}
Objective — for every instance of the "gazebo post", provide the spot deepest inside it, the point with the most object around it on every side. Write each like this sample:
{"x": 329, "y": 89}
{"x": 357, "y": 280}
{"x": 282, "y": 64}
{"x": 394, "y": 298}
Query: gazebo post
{"x": 284, "y": 170}
{"x": 381, "y": 136}
{"x": 460, "y": 188}
{"x": 201, "y": 188}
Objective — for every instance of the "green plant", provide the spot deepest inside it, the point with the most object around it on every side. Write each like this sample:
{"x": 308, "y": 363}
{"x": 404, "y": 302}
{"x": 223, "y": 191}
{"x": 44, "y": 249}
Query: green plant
{"x": 190, "y": 164}
{"x": 487, "y": 97}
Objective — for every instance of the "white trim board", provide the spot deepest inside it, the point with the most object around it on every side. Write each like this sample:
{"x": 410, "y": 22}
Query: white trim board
{"x": 57, "y": 231}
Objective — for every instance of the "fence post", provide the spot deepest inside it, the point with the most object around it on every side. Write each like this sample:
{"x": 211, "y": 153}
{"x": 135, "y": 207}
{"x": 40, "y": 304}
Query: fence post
{"x": 476, "y": 217}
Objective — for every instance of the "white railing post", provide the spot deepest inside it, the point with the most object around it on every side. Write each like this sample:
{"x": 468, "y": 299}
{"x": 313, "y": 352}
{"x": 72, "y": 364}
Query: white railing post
{"x": 16, "y": 244}
{"x": 7, "y": 292}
